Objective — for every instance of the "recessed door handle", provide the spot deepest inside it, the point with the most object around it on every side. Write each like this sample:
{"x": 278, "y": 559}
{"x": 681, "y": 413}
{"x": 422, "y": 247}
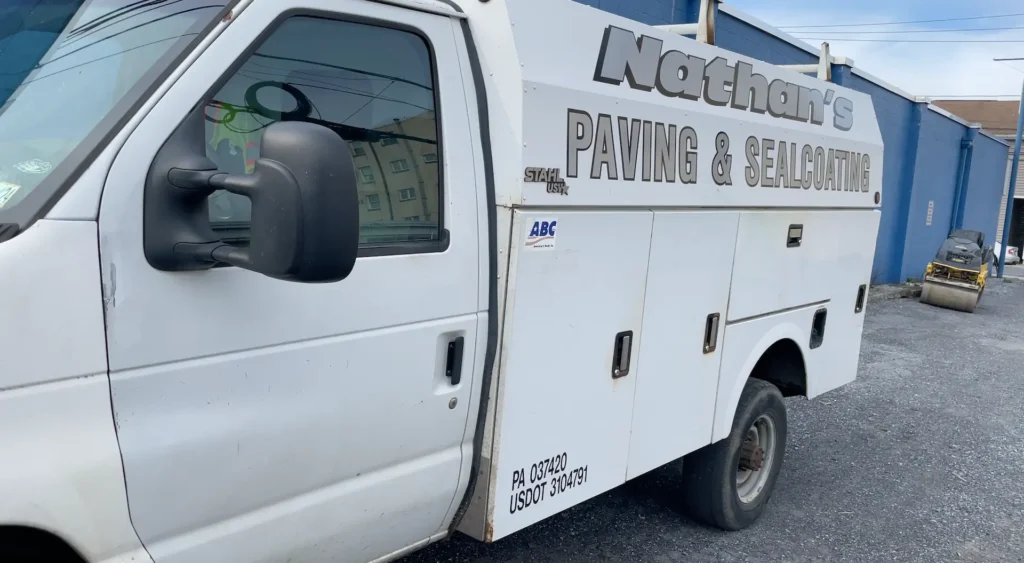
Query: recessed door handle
{"x": 795, "y": 236}
{"x": 453, "y": 361}
{"x": 621, "y": 354}
{"x": 711, "y": 333}
{"x": 818, "y": 328}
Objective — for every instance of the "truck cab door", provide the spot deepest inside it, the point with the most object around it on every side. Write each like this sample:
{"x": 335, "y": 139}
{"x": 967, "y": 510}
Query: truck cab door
{"x": 266, "y": 420}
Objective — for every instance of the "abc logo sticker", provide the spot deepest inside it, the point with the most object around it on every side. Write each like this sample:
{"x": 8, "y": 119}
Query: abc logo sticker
{"x": 541, "y": 235}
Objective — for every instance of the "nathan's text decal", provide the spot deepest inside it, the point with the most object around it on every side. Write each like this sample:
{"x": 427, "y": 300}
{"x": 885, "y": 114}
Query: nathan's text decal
{"x": 646, "y": 66}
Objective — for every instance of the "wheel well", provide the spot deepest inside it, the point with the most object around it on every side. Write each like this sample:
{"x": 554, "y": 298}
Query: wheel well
{"x": 782, "y": 365}
{"x": 36, "y": 545}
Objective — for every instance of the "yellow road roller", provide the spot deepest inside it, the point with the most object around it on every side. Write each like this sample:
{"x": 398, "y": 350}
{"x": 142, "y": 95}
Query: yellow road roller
{"x": 956, "y": 278}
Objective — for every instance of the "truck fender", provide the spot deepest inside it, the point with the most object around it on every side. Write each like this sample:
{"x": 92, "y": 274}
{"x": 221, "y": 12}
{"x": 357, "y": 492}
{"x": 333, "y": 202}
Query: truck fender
{"x": 737, "y": 366}
{"x": 60, "y": 463}
{"x": 66, "y": 477}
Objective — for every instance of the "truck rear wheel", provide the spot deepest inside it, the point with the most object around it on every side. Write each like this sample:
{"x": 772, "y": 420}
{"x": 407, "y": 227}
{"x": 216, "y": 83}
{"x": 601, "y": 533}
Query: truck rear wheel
{"x": 727, "y": 484}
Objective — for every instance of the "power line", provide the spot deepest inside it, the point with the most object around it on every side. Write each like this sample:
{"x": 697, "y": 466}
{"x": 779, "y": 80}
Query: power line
{"x": 123, "y": 31}
{"x": 962, "y": 29}
{"x": 131, "y": 6}
{"x": 1007, "y": 65}
{"x": 121, "y": 52}
{"x": 355, "y": 70}
{"x": 111, "y": 16}
{"x": 901, "y": 22}
{"x": 840, "y": 39}
{"x": 93, "y": 30}
{"x": 970, "y": 96}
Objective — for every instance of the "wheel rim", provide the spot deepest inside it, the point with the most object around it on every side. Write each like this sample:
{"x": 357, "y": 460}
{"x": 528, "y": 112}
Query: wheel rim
{"x": 756, "y": 456}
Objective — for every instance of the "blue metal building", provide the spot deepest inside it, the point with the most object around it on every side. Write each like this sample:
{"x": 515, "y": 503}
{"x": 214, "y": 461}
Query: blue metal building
{"x": 940, "y": 172}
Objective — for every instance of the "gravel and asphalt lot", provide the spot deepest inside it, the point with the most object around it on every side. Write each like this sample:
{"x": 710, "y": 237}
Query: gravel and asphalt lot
{"x": 920, "y": 460}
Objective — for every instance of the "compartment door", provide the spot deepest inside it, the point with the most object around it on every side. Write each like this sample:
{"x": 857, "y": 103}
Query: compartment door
{"x": 792, "y": 259}
{"x": 789, "y": 259}
{"x": 844, "y": 326}
{"x": 575, "y": 306}
{"x": 684, "y": 323}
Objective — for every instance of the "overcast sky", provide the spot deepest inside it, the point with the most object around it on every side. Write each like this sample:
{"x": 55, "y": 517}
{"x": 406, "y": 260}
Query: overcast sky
{"x": 923, "y": 69}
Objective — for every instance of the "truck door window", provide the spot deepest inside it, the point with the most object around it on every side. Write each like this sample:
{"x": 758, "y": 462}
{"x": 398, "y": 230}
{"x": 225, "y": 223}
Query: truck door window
{"x": 374, "y": 86}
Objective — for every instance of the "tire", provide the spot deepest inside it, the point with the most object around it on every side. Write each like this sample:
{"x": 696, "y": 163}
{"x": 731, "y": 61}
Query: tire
{"x": 711, "y": 487}
{"x": 26, "y": 545}
{"x": 30, "y": 555}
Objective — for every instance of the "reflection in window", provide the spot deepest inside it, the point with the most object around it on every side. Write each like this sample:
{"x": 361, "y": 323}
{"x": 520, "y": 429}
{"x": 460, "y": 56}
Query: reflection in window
{"x": 70, "y": 68}
{"x": 380, "y": 100}
{"x": 430, "y": 157}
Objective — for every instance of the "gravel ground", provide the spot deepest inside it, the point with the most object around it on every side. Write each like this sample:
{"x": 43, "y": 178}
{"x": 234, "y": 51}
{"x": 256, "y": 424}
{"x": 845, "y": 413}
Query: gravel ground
{"x": 921, "y": 459}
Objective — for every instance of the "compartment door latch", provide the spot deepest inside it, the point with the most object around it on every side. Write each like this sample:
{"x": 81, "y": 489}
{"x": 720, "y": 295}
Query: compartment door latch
{"x": 621, "y": 354}
{"x": 711, "y": 333}
{"x": 795, "y": 236}
{"x": 818, "y": 328}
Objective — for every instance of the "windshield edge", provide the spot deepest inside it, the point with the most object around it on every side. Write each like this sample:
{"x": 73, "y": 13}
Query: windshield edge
{"x": 41, "y": 200}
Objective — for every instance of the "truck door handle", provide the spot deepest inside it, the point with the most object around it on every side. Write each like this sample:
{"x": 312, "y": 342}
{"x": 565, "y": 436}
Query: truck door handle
{"x": 795, "y": 236}
{"x": 453, "y": 361}
{"x": 621, "y": 354}
{"x": 711, "y": 333}
{"x": 818, "y": 328}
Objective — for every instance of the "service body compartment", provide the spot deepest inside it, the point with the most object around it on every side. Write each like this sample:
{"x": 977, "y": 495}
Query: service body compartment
{"x": 787, "y": 259}
{"x": 684, "y": 319}
{"x": 845, "y": 322}
{"x": 576, "y": 284}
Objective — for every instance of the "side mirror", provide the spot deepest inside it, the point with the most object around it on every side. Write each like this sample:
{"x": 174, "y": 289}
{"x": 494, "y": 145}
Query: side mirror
{"x": 305, "y": 215}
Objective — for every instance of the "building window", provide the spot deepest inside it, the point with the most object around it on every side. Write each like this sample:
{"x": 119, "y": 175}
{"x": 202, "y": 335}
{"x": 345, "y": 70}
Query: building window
{"x": 430, "y": 157}
{"x": 375, "y": 93}
{"x": 413, "y": 218}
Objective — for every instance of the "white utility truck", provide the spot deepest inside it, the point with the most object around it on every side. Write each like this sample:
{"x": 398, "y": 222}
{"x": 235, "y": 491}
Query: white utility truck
{"x": 328, "y": 280}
